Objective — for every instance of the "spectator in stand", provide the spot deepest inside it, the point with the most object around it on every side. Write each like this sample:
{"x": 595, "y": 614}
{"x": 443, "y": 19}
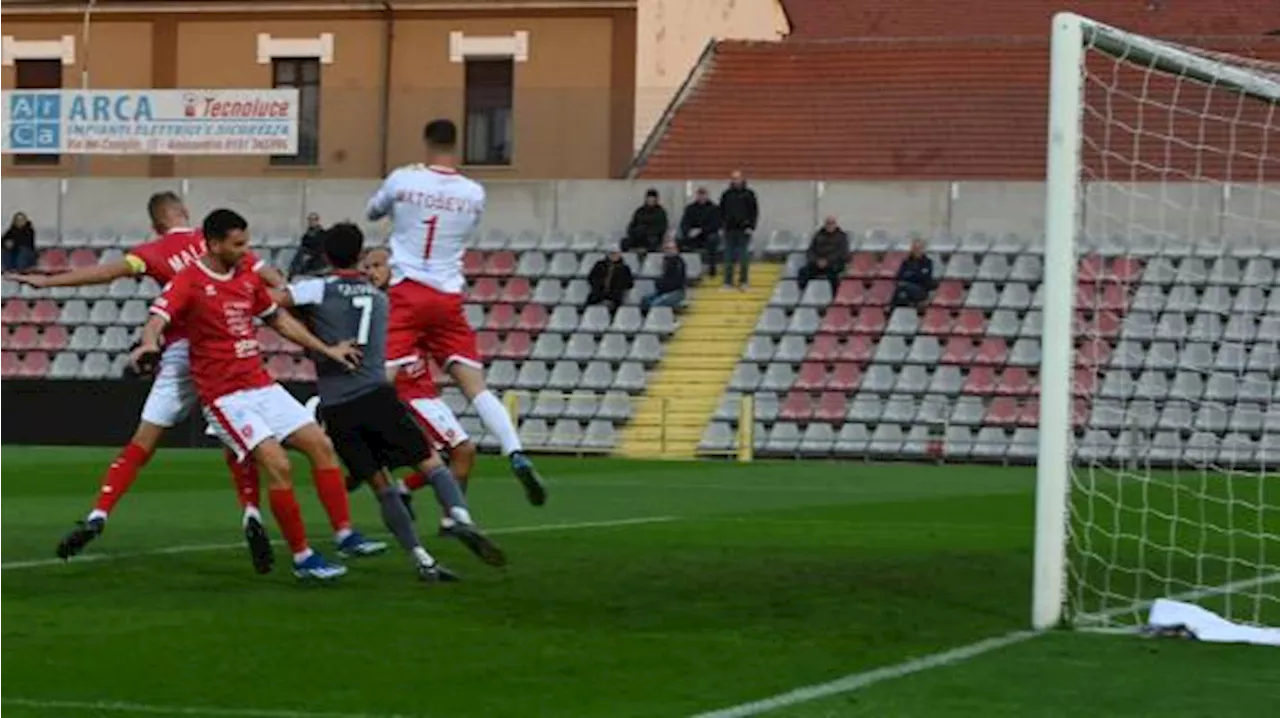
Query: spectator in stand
{"x": 610, "y": 280}
{"x": 669, "y": 289}
{"x": 827, "y": 256}
{"x": 739, "y": 211}
{"x": 310, "y": 258}
{"x": 19, "y": 244}
{"x": 915, "y": 278}
{"x": 700, "y": 228}
{"x": 647, "y": 227}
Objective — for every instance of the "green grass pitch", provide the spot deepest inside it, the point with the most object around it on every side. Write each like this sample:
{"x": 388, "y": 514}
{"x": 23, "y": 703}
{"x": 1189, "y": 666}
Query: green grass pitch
{"x": 732, "y": 583}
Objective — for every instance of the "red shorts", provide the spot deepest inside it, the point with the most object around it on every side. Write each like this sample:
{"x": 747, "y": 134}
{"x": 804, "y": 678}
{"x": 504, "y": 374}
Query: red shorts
{"x": 428, "y": 320}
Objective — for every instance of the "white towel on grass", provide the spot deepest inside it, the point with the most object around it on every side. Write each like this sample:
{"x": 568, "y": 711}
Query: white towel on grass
{"x": 1206, "y": 625}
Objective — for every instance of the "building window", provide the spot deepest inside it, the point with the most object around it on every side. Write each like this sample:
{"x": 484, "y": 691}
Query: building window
{"x": 37, "y": 75}
{"x": 304, "y": 74}
{"x": 488, "y": 105}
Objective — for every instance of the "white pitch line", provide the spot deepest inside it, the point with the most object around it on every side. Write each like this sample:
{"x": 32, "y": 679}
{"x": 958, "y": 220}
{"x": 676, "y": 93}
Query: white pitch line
{"x": 136, "y": 708}
{"x": 200, "y": 548}
{"x": 858, "y": 681}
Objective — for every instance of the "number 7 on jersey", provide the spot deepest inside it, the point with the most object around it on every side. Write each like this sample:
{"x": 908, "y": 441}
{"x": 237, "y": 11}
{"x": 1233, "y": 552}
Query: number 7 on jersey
{"x": 431, "y": 234}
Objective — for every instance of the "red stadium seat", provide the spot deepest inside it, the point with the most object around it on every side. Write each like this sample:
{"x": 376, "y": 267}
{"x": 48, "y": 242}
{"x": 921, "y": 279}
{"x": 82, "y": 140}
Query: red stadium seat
{"x": 280, "y": 367}
{"x": 857, "y": 349}
{"x": 1102, "y": 324}
{"x": 950, "y": 294}
{"x": 516, "y": 291}
{"x": 846, "y": 377}
{"x": 1125, "y": 270}
{"x": 970, "y": 323}
{"x": 798, "y": 406}
{"x": 517, "y": 346}
{"x": 15, "y": 311}
{"x": 9, "y": 365}
{"x": 1084, "y": 382}
{"x": 487, "y": 344}
{"x": 1029, "y": 413}
{"x": 44, "y": 311}
{"x": 54, "y": 338}
{"x": 981, "y": 380}
{"x": 1079, "y": 413}
{"x": 34, "y": 365}
{"x": 852, "y": 293}
{"x": 880, "y": 293}
{"x": 1003, "y": 411}
{"x": 501, "y": 317}
{"x": 1088, "y": 296}
{"x": 831, "y": 407}
{"x": 888, "y": 267}
{"x": 484, "y": 291}
{"x": 1115, "y": 298}
{"x": 533, "y": 318}
{"x": 936, "y": 322}
{"x": 80, "y": 258}
{"x": 812, "y": 377}
{"x": 1092, "y": 268}
{"x": 1093, "y": 352}
{"x": 862, "y": 265}
{"x": 500, "y": 264}
{"x": 473, "y": 263}
{"x": 958, "y": 350}
{"x": 1016, "y": 381}
{"x": 269, "y": 341}
{"x": 837, "y": 320}
{"x": 992, "y": 352}
{"x": 25, "y": 338}
{"x": 870, "y": 321}
{"x": 304, "y": 370}
{"x": 53, "y": 260}
{"x": 824, "y": 348}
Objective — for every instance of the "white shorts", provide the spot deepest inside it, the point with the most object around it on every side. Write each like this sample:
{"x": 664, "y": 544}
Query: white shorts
{"x": 173, "y": 393}
{"x": 443, "y": 428}
{"x": 244, "y": 419}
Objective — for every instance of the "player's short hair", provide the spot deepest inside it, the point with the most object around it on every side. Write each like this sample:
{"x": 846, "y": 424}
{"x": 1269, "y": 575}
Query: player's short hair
{"x": 221, "y": 222}
{"x": 441, "y": 133}
{"x": 343, "y": 245}
{"x": 159, "y": 201}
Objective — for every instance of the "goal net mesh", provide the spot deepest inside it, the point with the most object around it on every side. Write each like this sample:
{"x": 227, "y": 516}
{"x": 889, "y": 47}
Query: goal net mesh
{"x": 1174, "y": 489}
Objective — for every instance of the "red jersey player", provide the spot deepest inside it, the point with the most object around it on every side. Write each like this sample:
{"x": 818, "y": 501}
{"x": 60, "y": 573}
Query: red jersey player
{"x": 417, "y": 389}
{"x": 216, "y": 299}
{"x": 172, "y": 395}
{"x": 433, "y": 210}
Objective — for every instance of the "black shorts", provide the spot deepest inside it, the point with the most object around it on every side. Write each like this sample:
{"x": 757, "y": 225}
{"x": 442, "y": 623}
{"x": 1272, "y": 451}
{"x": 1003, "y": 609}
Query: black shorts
{"x": 374, "y": 431}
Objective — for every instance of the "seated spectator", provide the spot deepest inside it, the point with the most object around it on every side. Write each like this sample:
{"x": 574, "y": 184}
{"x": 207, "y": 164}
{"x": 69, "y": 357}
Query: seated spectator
{"x": 915, "y": 278}
{"x": 310, "y": 258}
{"x": 700, "y": 228}
{"x": 647, "y": 227}
{"x": 610, "y": 280}
{"x": 827, "y": 256}
{"x": 669, "y": 289}
{"x": 19, "y": 244}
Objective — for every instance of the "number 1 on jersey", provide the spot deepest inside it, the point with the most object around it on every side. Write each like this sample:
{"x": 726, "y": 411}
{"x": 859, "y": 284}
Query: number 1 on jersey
{"x": 431, "y": 234}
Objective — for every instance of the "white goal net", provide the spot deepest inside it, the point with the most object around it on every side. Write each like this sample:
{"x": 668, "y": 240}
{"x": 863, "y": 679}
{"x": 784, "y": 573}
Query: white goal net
{"x": 1160, "y": 424}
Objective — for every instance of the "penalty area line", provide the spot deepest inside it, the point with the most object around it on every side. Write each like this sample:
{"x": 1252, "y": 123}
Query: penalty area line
{"x": 858, "y": 681}
{"x": 194, "y": 711}
{"x": 200, "y": 548}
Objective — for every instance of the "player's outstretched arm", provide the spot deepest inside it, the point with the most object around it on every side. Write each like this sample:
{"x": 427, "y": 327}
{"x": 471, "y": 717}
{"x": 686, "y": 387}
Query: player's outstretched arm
{"x": 345, "y": 353}
{"x": 143, "y": 356}
{"x": 97, "y": 274}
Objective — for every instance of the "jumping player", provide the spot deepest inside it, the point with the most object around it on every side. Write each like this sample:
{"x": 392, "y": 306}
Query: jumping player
{"x": 216, "y": 300}
{"x": 417, "y": 390}
{"x": 370, "y": 428}
{"x": 434, "y": 209}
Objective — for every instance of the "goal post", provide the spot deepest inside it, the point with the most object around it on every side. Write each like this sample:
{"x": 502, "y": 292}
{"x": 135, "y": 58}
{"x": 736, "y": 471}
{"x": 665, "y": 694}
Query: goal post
{"x": 1118, "y": 527}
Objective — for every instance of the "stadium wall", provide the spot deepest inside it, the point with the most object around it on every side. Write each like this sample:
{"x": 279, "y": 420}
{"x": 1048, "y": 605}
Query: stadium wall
{"x": 573, "y": 82}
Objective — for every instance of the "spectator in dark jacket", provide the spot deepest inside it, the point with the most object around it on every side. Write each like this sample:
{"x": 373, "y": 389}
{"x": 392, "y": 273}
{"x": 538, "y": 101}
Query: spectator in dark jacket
{"x": 19, "y": 244}
{"x": 915, "y": 278}
{"x": 828, "y": 253}
{"x": 700, "y": 228}
{"x": 739, "y": 211}
{"x": 310, "y": 258}
{"x": 610, "y": 280}
{"x": 669, "y": 289}
{"x": 647, "y": 227}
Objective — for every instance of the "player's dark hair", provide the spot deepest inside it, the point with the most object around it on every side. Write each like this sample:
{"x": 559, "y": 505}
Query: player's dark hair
{"x": 221, "y": 222}
{"x": 158, "y": 202}
{"x": 441, "y": 134}
{"x": 343, "y": 245}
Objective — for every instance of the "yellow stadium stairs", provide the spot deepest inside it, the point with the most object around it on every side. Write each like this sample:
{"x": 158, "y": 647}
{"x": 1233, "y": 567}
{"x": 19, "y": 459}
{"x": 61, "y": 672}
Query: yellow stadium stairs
{"x": 697, "y": 363}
